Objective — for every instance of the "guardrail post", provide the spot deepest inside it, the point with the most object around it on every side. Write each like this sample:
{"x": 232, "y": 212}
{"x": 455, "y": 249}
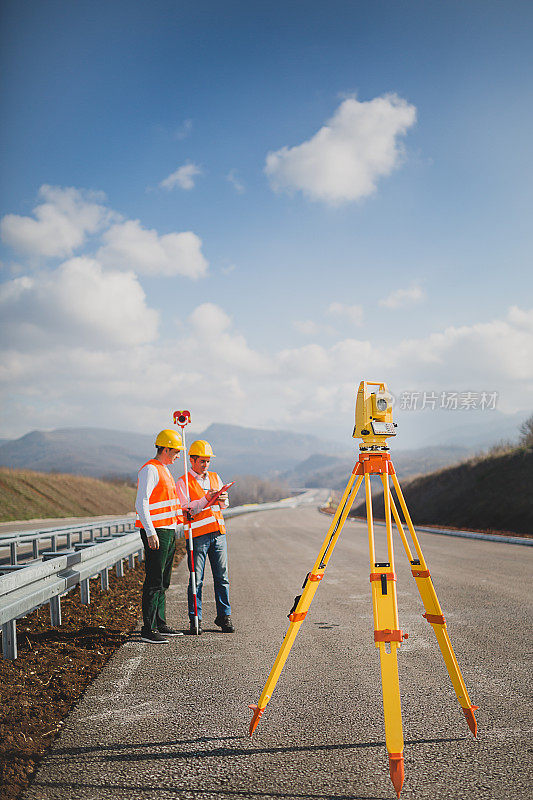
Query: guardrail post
{"x": 53, "y": 542}
{"x": 35, "y": 548}
{"x": 55, "y": 611}
{"x": 85, "y": 592}
{"x": 104, "y": 579}
{"x": 119, "y": 567}
{"x": 13, "y": 552}
{"x": 9, "y": 640}
{"x": 69, "y": 540}
{"x": 131, "y": 561}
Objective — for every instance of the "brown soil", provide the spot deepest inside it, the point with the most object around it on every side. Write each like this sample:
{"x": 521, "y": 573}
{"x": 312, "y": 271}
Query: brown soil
{"x": 56, "y": 665}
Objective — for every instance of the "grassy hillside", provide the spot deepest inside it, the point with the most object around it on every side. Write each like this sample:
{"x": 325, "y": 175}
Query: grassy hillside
{"x": 491, "y": 492}
{"x": 37, "y": 495}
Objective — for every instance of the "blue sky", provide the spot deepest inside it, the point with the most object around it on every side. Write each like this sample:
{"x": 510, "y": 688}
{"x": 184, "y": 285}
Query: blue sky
{"x": 344, "y": 188}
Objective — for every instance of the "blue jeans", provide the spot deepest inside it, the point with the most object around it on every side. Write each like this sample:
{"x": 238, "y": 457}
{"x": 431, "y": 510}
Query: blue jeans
{"x": 216, "y": 549}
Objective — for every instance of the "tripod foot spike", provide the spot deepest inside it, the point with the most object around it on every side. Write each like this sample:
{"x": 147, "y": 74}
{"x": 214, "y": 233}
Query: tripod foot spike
{"x": 396, "y": 771}
{"x": 258, "y": 713}
{"x": 470, "y": 718}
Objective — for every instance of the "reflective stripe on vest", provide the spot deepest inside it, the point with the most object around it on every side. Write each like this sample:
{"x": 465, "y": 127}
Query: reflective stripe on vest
{"x": 210, "y": 520}
{"x": 164, "y": 506}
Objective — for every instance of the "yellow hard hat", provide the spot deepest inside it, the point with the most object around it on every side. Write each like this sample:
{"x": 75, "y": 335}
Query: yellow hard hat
{"x": 169, "y": 438}
{"x": 202, "y": 449}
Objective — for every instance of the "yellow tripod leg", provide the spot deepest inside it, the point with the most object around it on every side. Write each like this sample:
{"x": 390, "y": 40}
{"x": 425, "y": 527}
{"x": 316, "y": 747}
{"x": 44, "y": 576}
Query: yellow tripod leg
{"x": 433, "y": 610}
{"x": 303, "y": 601}
{"x": 387, "y": 636}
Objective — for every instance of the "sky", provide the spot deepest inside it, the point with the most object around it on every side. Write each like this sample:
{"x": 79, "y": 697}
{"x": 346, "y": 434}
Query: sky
{"x": 245, "y": 209}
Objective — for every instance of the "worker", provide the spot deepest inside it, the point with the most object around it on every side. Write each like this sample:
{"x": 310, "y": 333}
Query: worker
{"x": 158, "y": 513}
{"x": 209, "y": 535}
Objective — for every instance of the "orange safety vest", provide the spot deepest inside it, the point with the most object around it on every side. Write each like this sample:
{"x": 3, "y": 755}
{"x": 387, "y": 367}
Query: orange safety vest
{"x": 210, "y": 520}
{"x": 164, "y": 505}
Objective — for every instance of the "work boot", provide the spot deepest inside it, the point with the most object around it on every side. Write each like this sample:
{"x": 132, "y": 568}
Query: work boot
{"x": 225, "y": 623}
{"x": 192, "y": 627}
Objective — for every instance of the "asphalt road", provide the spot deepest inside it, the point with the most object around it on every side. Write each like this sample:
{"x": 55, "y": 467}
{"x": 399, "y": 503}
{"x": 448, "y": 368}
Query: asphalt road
{"x": 171, "y": 721}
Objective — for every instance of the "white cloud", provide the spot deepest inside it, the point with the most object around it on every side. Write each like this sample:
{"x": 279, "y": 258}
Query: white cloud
{"x": 130, "y": 246}
{"x": 343, "y": 161}
{"x": 404, "y": 297}
{"x": 76, "y": 305}
{"x": 219, "y": 347}
{"x": 307, "y": 327}
{"x": 101, "y": 378}
{"x": 183, "y": 177}
{"x": 353, "y": 313}
{"x": 60, "y": 225}
{"x": 235, "y": 181}
{"x": 183, "y": 130}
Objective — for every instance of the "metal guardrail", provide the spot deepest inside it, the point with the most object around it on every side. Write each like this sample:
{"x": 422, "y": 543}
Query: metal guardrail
{"x": 26, "y": 587}
{"x": 34, "y": 537}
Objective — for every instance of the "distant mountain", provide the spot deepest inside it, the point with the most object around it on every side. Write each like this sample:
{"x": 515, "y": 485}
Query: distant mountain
{"x": 473, "y": 429}
{"x": 302, "y": 459}
{"x": 81, "y": 451}
{"x": 333, "y": 471}
{"x": 99, "y": 452}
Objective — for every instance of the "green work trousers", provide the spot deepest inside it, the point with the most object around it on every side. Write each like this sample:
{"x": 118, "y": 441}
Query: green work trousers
{"x": 158, "y": 568}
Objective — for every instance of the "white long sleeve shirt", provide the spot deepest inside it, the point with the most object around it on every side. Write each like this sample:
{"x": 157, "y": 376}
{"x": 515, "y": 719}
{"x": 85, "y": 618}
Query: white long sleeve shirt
{"x": 148, "y": 480}
{"x": 203, "y": 481}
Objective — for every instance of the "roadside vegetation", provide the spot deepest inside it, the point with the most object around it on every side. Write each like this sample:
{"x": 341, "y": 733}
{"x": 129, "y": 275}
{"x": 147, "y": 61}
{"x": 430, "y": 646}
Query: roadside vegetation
{"x": 25, "y": 494}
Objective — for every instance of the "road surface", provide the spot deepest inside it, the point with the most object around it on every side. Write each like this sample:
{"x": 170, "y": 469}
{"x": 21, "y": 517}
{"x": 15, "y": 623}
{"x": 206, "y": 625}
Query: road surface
{"x": 171, "y": 722}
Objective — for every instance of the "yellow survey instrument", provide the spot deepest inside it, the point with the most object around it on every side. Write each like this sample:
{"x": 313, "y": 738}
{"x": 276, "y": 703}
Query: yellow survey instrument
{"x": 373, "y": 423}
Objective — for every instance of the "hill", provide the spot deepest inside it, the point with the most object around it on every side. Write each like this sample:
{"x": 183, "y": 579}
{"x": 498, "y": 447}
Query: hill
{"x": 32, "y": 495}
{"x": 99, "y": 452}
{"x": 332, "y": 471}
{"x": 492, "y": 492}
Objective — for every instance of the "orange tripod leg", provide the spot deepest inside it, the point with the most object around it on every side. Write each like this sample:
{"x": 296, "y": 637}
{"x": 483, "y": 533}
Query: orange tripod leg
{"x": 432, "y": 608}
{"x": 388, "y": 637}
{"x": 303, "y": 601}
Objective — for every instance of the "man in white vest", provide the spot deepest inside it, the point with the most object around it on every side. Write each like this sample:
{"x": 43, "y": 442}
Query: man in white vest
{"x": 209, "y": 535}
{"x": 158, "y": 513}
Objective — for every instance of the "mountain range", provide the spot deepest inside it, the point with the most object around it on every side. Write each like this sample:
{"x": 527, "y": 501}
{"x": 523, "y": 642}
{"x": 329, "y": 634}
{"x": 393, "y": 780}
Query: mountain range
{"x": 108, "y": 453}
{"x": 300, "y": 459}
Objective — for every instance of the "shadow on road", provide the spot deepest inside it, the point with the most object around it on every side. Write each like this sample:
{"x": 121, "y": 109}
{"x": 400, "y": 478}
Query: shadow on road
{"x": 134, "y": 753}
{"x": 180, "y": 791}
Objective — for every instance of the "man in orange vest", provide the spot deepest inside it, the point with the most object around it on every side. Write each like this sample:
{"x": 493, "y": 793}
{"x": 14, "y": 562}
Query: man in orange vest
{"x": 158, "y": 513}
{"x": 209, "y": 535}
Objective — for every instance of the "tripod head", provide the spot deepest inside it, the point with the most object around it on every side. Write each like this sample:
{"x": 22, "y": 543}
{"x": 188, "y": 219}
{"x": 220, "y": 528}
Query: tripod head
{"x": 373, "y": 416}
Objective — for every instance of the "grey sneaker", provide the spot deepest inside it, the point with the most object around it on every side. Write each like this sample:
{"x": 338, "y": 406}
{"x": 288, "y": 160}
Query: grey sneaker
{"x": 154, "y": 637}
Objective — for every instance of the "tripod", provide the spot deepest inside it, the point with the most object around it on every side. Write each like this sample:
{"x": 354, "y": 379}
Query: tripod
{"x": 387, "y": 633}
